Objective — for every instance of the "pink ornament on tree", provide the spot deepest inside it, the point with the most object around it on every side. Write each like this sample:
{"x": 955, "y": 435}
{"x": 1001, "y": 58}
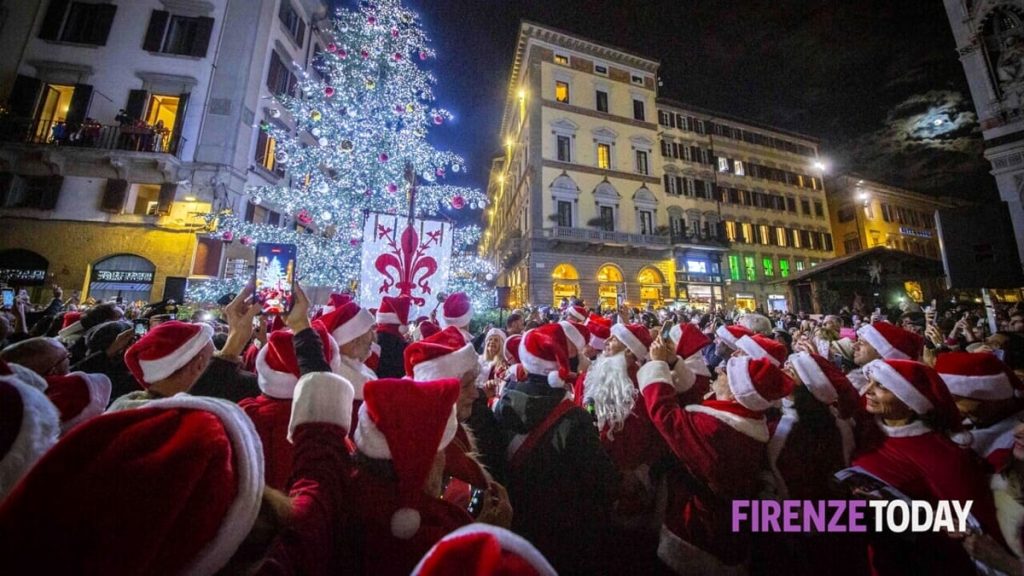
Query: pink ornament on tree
{"x": 332, "y": 47}
{"x": 438, "y": 119}
{"x": 423, "y": 55}
{"x": 439, "y": 172}
{"x": 383, "y": 157}
{"x": 354, "y": 241}
{"x": 394, "y": 32}
{"x": 246, "y": 241}
{"x": 372, "y": 20}
{"x": 342, "y": 53}
{"x": 398, "y": 56}
{"x": 392, "y": 188}
{"x": 303, "y": 217}
{"x": 458, "y": 202}
{"x": 329, "y": 91}
{"x": 364, "y": 53}
{"x": 228, "y": 236}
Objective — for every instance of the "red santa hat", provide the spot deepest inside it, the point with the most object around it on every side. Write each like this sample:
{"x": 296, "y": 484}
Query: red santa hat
{"x": 407, "y": 422}
{"x": 483, "y": 550}
{"x": 575, "y": 333}
{"x": 183, "y": 476}
{"x": 277, "y": 367}
{"x": 545, "y": 351}
{"x": 979, "y": 375}
{"x": 891, "y": 341}
{"x": 636, "y": 337}
{"x": 428, "y": 329}
{"x": 457, "y": 310}
{"x": 918, "y": 386}
{"x": 443, "y": 355}
{"x": 334, "y": 301}
{"x": 689, "y": 340}
{"x": 576, "y": 314}
{"x": 600, "y": 330}
{"x": 757, "y": 382}
{"x": 29, "y": 426}
{"x": 394, "y": 311}
{"x": 826, "y": 382}
{"x": 758, "y": 346}
{"x": 166, "y": 349}
{"x": 70, "y": 318}
{"x": 347, "y": 322}
{"x": 71, "y": 325}
{"x": 78, "y": 397}
{"x": 512, "y": 349}
{"x": 732, "y": 333}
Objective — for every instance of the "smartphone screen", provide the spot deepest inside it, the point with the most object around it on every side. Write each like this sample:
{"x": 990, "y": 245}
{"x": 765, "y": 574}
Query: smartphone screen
{"x": 666, "y": 330}
{"x": 141, "y": 327}
{"x": 275, "y": 271}
{"x": 8, "y": 301}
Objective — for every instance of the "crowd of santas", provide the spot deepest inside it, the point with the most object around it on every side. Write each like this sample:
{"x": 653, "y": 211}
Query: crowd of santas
{"x": 591, "y": 445}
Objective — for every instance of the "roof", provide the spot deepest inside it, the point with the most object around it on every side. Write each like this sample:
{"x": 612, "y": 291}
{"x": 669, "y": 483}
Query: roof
{"x": 673, "y": 103}
{"x": 876, "y": 252}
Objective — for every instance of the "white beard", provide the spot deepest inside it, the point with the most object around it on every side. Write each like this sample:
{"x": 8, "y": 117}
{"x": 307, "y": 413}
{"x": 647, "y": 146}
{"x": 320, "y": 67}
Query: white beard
{"x": 610, "y": 388}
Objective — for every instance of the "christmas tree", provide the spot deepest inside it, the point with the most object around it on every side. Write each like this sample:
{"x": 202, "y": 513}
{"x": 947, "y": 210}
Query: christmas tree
{"x": 348, "y": 138}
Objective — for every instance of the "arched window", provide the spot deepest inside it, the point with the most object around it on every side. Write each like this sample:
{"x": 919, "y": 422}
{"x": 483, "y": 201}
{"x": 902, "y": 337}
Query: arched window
{"x": 565, "y": 198}
{"x": 606, "y": 202}
{"x": 127, "y": 276}
{"x": 564, "y": 283}
{"x": 610, "y": 286}
{"x": 646, "y": 206}
{"x": 652, "y": 285}
{"x": 676, "y": 221}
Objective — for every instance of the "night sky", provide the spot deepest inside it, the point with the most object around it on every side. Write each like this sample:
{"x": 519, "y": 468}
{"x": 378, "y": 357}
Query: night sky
{"x": 878, "y": 82}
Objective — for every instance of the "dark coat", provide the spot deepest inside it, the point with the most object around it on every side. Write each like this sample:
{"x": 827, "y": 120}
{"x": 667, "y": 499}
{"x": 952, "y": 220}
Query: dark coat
{"x": 392, "y": 355}
{"x": 226, "y": 379}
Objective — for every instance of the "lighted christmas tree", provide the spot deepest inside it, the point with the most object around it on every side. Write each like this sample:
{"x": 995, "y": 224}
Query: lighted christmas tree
{"x": 346, "y": 138}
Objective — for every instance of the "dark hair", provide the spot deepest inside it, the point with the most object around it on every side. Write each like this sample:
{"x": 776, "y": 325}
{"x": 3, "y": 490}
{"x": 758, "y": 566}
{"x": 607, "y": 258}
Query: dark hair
{"x": 513, "y": 318}
{"x": 811, "y": 411}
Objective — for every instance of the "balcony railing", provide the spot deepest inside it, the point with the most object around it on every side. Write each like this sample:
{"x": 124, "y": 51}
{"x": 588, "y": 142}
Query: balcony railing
{"x": 139, "y": 137}
{"x": 605, "y": 237}
{"x": 716, "y": 240}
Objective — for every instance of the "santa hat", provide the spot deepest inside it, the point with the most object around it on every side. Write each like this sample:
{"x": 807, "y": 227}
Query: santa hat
{"x": 636, "y": 337}
{"x": 347, "y": 322}
{"x": 428, "y": 329}
{"x": 483, "y": 550}
{"x": 689, "y": 340}
{"x": 443, "y": 355}
{"x": 600, "y": 330}
{"x": 981, "y": 375}
{"x": 545, "y": 351}
{"x": 394, "y": 312}
{"x": 732, "y": 333}
{"x": 826, "y": 383}
{"x": 457, "y": 310}
{"x": 575, "y": 333}
{"x": 495, "y": 332}
{"x": 70, "y": 318}
{"x": 512, "y": 349}
{"x": 407, "y": 422}
{"x": 576, "y": 314}
{"x": 758, "y": 346}
{"x": 918, "y": 386}
{"x": 185, "y": 461}
{"x": 24, "y": 375}
{"x": 29, "y": 426}
{"x": 277, "y": 367}
{"x": 336, "y": 300}
{"x": 891, "y": 341}
{"x": 757, "y": 382}
{"x": 166, "y": 349}
{"x": 71, "y": 325}
{"x": 78, "y": 397}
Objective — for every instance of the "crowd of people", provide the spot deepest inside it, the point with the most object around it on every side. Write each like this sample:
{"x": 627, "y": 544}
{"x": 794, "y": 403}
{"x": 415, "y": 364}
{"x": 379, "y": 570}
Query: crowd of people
{"x": 343, "y": 439}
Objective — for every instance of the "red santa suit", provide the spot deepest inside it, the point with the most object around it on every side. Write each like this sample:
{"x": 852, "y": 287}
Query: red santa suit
{"x": 721, "y": 446}
{"x": 346, "y": 323}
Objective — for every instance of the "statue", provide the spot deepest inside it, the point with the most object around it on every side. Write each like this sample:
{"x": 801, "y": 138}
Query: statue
{"x": 875, "y": 271}
{"x": 1010, "y": 64}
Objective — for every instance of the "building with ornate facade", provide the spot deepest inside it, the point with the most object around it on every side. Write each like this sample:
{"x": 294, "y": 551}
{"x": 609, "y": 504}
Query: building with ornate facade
{"x": 607, "y": 193}
{"x": 990, "y": 40}
{"x": 126, "y": 122}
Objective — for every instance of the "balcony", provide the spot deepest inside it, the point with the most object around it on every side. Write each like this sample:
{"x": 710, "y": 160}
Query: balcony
{"x": 718, "y": 241}
{"x": 138, "y": 137}
{"x": 588, "y": 236}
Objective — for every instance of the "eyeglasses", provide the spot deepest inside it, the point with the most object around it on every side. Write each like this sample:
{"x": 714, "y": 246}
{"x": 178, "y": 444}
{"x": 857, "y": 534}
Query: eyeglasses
{"x": 65, "y": 357}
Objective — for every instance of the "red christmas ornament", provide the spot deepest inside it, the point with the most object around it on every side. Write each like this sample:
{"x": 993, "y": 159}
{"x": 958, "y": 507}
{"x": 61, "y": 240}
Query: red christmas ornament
{"x": 458, "y": 202}
{"x": 354, "y": 241}
{"x": 246, "y": 241}
{"x": 364, "y": 53}
{"x": 383, "y": 157}
{"x": 372, "y": 20}
{"x": 329, "y": 91}
{"x": 303, "y": 217}
{"x": 438, "y": 119}
{"x": 398, "y": 56}
{"x": 423, "y": 55}
{"x": 228, "y": 236}
{"x": 332, "y": 47}
{"x": 392, "y": 188}
{"x": 343, "y": 54}
{"x": 394, "y": 32}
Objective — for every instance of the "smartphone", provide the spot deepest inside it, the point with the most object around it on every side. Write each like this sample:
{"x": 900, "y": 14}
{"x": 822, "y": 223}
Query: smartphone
{"x": 273, "y": 277}
{"x": 462, "y": 493}
{"x": 8, "y": 297}
{"x": 141, "y": 326}
{"x": 666, "y": 330}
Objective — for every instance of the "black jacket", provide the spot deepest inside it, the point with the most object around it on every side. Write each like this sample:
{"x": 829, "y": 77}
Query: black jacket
{"x": 392, "y": 356}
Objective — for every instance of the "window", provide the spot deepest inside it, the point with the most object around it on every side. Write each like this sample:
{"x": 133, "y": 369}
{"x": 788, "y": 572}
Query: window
{"x": 819, "y": 210}
{"x": 730, "y": 231}
{"x": 602, "y": 101}
{"x": 646, "y": 222}
{"x": 769, "y": 267}
{"x": 565, "y": 214}
{"x": 734, "y": 267}
{"x": 280, "y": 80}
{"x": 805, "y": 206}
{"x": 562, "y": 59}
{"x": 791, "y": 205}
{"x": 827, "y": 241}
{"x": 672, "y": 184}
{"x": 562, "y": 91}
{"x": 780, "y": 236}
{"x": 604, "y": 156}
{"x": 796, "y": 239}
{"x": 697, "y": 266}
{"x": 265, "y": 149}
{"x": 747, "y": 233}
{"x": 739, "y": 169}
{"x": 256, "y": 214}
{"x": 292, "y": 22}
{"x": 638, "y": 109}
{"x": 636, "y": 79}
{"x": 799, "y": 265}
{"x": 608, "y": 218}
{"x": 783, "y": 267}
{"x": 887, "y": 213}
{"x": 723, "y": 164}
{"x": 748, "y": 264}
{"x": 641, "y": 162}
{"x": 78, "y": 22}
{"x": 762, "y": 233}
{"x": 600, "y": 69}
{"x": 846, "y": 213}
{"x": 564, "y": 149}
{"x": 178, "y": 34}
{"x": 851, "y": 245}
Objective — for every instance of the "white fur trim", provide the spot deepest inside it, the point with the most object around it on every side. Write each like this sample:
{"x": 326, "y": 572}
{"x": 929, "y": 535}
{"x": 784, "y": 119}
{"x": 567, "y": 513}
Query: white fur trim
{"x": 371, "y": 441}
{"x": 754, "y": 350}
{"x": 654, "y": 372}
{"x": 39, "y": 430}
{"x": 742, "y": 386}
{"x": 71, "y": 330}
{"x": 335, "y": 361}
{"x": 755, "y": 428}
{"x": 726, "y": 336}
{"x": 571, "y": 311}
{"x": 777, "y": 443}
{"x": 248, "y": 452}
{"x": 355, "y": 327}
{"x": 872, "y": 336}
{"x": 596, "y": 343}
{"x": 814, "y": 378}
{"x": 632, "y": 342}
{"x": 99, "y": 396}
{"x": 685, "y": 558}
{"x": 535, "y": 364}
{"x": 273, "y": 383}
{"x": 357, "y": 374}
{"x": 987, "y": 440}
{"x": 387, "y": 318}
{"x": 683, "y": 378}
{"x": 698, "y": 365}
{"x": 321, "y": 397}
{"x": 452, "y": 365}
{"x": 156, "y": 370}
{"x": 457, "y": 321}
{"x": 509, "y": 541}
{"x": 915, "y": 428}
{"x": 405, "y": 522}
{"x": 888, "y": 376}
{"x": 573, "y": 335}
{"x": 28, "y": 376}
{"x": 988, "y": 387}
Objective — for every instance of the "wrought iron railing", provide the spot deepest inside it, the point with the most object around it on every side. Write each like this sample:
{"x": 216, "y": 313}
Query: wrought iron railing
{"x": 90, "y": 134}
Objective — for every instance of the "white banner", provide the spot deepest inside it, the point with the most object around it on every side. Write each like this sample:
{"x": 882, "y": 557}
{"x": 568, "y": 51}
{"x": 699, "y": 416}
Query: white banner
{"x": 397, "y": 259}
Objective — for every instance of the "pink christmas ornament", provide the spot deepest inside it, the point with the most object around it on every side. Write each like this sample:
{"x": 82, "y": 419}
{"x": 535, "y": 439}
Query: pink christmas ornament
{"x": 398, "y": 56}
{"x": 438, "y": 119}
{"x": 303, "y": 217}
{"x": 332, "y": 47}
{"x": 383, "y": 157}
{"x": 394, "y": 32}
{"x": 246, "y": 241}
{"x": 372, "y": 20}
{"x": 423, "y": 55}
{"x": 342, "y": 54}
{"x": 364, "y": 53}
{"x": 439, "y": 172}
{"x": 392, "y": 188}
{"x": 228, "y": 236}
{"x": 458, "y": 202}
{"x": 329, "y": 91}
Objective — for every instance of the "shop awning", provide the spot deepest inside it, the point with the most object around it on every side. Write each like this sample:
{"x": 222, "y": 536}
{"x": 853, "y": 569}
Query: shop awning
{"x": 23, "y": 267}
